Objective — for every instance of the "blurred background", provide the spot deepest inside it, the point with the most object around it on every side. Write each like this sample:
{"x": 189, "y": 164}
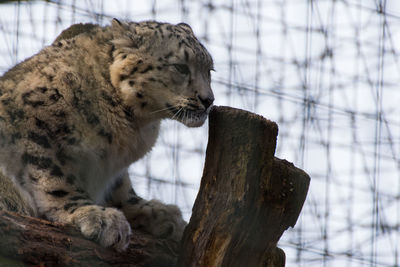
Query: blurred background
{"x": 327, "y": 71}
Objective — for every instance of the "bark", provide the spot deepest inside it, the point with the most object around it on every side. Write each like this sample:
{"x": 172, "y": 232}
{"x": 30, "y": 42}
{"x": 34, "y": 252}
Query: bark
{"x": 27, "y": 241}
{"x": 247, "y": 199}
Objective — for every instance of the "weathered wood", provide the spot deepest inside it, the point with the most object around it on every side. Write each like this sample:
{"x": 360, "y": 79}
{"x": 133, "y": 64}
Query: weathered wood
{"x": 247, "y": 197}
{"x": 27, "y": 241}
{"x": 274, "y": 258}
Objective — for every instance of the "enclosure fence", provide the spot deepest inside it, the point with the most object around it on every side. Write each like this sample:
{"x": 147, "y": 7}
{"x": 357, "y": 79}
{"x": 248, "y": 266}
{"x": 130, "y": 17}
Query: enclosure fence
{"x": 327, "y": 71}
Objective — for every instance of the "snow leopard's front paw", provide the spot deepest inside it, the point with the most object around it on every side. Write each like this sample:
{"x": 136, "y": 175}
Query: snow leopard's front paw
{"x": 160, "y": 220}
{"x": 107, "y": 226}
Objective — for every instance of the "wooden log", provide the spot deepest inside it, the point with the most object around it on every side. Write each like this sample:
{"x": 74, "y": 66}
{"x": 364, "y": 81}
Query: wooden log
{"x": 27, "y": 241}
{"x": 246, "y": 200}
{"x": 247, "y": 197}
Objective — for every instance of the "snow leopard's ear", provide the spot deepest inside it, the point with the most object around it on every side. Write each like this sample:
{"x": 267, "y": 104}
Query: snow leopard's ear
{"x": 185, "y": 27}
{"x": 125, "y": 34}
{"x": 116, "y": 22}
{"x": 118, "y": 25}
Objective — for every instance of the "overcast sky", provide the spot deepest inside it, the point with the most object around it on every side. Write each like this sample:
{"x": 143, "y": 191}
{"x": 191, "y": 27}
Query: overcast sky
{"x": 326, "y": 71}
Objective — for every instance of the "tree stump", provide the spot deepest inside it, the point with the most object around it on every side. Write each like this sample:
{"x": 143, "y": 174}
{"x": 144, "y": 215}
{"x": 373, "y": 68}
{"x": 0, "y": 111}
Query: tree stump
{"x": 247, "y": 199}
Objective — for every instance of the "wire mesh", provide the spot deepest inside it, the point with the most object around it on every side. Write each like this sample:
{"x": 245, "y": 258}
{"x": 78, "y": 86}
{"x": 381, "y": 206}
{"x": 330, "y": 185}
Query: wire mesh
{"x": 327, "y": 71}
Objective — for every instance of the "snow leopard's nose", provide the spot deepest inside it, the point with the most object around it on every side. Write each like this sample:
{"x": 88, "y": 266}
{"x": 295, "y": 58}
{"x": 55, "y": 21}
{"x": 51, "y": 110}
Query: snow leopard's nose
{"x": 207, "y": 102}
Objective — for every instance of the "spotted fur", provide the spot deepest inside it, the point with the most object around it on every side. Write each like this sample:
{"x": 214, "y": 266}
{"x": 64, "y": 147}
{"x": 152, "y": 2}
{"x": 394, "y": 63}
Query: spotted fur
{"x": 77, "y": 114}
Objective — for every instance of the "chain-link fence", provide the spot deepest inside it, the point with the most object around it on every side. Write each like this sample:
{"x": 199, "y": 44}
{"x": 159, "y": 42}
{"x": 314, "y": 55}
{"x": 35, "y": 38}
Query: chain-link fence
{"x": 327, "y": 71}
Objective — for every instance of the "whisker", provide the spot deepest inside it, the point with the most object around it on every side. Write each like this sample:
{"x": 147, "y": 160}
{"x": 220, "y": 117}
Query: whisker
{"x": 168, "y": 108}
{"x": 177, "y": 113}
{"x": 184, "y": 116}
{"x": 181, "y": 114}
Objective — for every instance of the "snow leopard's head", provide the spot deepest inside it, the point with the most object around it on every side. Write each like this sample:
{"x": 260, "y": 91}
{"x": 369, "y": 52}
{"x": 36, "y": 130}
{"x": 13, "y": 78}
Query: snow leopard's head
{"x": 162, "y": 71}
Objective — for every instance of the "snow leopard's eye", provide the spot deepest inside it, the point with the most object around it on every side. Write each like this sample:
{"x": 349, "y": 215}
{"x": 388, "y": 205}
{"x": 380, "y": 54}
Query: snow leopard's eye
{"x": 182, "y": 68}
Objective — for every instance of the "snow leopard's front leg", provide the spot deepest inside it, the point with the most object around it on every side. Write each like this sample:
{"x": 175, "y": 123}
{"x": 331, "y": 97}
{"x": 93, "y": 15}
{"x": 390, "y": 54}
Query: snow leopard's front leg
{"x": 159, "y": 219}
{"x": 59, "y": 198}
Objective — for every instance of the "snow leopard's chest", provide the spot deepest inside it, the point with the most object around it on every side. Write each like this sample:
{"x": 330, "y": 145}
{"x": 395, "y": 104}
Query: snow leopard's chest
{"x": 102, "y": 170}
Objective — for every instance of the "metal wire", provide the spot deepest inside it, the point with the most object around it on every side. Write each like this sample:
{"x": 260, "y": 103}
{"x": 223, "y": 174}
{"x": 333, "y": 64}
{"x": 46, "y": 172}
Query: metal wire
{"x": 326, "y": 70}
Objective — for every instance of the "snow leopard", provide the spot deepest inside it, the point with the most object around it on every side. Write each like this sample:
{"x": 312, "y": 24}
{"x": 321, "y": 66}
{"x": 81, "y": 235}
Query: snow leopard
{"x": 77, "y": 114}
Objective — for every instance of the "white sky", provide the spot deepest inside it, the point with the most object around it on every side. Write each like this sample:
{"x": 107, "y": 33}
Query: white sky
{"x": 337, "y": 138}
